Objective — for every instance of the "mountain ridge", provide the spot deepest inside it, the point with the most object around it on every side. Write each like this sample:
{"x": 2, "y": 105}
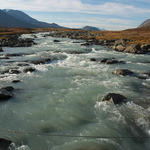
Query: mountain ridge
{"x": 20, "y": 15}
{"x": 7, "y": 20}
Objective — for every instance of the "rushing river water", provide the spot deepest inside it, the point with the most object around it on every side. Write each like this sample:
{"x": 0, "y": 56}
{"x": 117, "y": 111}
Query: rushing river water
{"x": 63, "y": 97}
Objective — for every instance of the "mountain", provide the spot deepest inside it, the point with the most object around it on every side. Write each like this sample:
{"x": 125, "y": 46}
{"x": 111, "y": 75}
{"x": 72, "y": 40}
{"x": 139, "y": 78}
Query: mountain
{"x": 16, "y": 18}
{"x": 8, "y": 21}
{"x": 145, "y": 24}
{"x": 90, "y": 28}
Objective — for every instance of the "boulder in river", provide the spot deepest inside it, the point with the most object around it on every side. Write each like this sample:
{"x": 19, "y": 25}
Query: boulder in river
{"x": 114, "y": 98}
{"x": 56, "y": 41}
{"x": 123, "y": 72}
{"x": 4, "y": 144}
{"x": 1, "y": 50}
{"x": 14, "y": 71}
{"x": 29, "y": 69}
{"x": 8, "y": 88}
{"x": 5, "y": 95}
{"x": 107, "y": 60}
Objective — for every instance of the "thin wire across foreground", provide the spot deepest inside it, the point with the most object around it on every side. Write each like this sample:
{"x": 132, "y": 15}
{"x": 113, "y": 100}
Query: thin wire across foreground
{"x": 64, "y": 135}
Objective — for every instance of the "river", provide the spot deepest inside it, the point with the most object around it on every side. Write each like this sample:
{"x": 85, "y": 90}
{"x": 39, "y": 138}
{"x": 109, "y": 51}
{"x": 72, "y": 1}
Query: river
{"x": 59, "y": 107}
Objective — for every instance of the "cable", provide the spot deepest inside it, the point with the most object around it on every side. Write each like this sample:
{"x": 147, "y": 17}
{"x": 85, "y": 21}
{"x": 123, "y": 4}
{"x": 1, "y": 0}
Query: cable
{"x": 64, "y": 135}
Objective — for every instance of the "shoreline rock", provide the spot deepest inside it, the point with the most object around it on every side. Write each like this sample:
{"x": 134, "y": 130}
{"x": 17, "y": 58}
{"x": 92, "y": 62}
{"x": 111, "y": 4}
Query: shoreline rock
{"x": 15, "y": 41}
{"x": 119, "y": 45}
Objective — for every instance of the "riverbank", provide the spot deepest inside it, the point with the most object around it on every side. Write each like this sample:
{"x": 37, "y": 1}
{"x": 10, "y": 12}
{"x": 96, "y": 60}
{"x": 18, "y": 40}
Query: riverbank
{"x": 136, "y": 41}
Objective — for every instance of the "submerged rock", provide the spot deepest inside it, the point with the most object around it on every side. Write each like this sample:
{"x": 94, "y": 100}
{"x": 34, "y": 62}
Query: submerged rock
{"x": 4, "y": 144}
{"x": 114, "y": 98}
{"x": 42, "y": 61}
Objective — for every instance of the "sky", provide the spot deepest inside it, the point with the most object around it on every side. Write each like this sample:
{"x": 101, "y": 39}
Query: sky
{"x": 107, "y": 14}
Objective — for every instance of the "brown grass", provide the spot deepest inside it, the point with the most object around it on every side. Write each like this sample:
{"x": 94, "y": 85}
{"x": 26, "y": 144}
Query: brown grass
{"x": 136, "y": 36}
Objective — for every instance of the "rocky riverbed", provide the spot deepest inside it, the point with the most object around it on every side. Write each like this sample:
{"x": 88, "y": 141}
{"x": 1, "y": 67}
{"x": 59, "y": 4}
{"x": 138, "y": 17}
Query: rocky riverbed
{"x": 114, "y": 44}
{"x": 65, "y": 84}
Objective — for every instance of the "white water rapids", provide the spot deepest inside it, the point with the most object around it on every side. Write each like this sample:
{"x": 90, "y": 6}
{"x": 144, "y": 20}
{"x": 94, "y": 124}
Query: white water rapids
{"x": 63, "y": 97}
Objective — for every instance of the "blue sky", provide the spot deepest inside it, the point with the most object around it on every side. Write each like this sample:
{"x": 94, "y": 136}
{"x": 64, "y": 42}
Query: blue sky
{"x": 108, "y": 14}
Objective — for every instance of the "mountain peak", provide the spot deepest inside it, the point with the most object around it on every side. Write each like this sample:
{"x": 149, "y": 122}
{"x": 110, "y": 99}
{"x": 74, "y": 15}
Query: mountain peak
{"x": 90, "y": 28}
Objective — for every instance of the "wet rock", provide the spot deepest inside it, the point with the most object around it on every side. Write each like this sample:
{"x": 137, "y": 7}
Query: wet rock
{"x": 1, "y": 50}
{"x": 29, "y": 69}
{"x": 56, "y": 41}
{"x": 85, "y": 44}
{"x": 141, "y": 77}
{"x": 16, "y": 81}
{"x": 145, "y": 47}
{"x": 123, "y": 72}
{"x": 107, "y": 60}
{"x": 104, "y": 60}
{"x": 120, "y": 48}
{"x": 42, "y": 61}
{"x": 4, "y": 144}
{"x": 110, "y": 61}
{"x": 147, "y": 74}
{"x": 15, "y": 41}
{"x": 4, "y": 57}
{"x": 8, "y": 88}
{"x": 134, "y": 48}
{"x": 5, "y": 71}
{"x": 114, "y": 98}
{"x": 5, "y": 95}
{"x": 14, "y": 71}
{"x": 92, "y": 59}
{"x": 22, "y": 64}
{"x": 14, "y": 55}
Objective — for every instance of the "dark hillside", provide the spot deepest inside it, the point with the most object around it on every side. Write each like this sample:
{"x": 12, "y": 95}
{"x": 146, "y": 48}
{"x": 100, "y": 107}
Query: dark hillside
{"x": 9, "y": 21}
{"x": 26, "y": 18}
{"x": 145, "y": 24}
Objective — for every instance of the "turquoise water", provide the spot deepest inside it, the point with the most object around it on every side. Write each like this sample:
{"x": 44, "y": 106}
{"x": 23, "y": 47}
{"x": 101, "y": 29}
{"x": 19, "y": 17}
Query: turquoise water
{"x": 63, "y": 97}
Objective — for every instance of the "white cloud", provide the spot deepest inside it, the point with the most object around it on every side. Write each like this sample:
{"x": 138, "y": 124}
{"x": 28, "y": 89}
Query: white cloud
{"x": 72, "y": 6}
{"x": 102, "y": 25}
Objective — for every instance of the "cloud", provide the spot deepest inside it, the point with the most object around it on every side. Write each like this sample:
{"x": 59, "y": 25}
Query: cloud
{"x": 73, "y": 6}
